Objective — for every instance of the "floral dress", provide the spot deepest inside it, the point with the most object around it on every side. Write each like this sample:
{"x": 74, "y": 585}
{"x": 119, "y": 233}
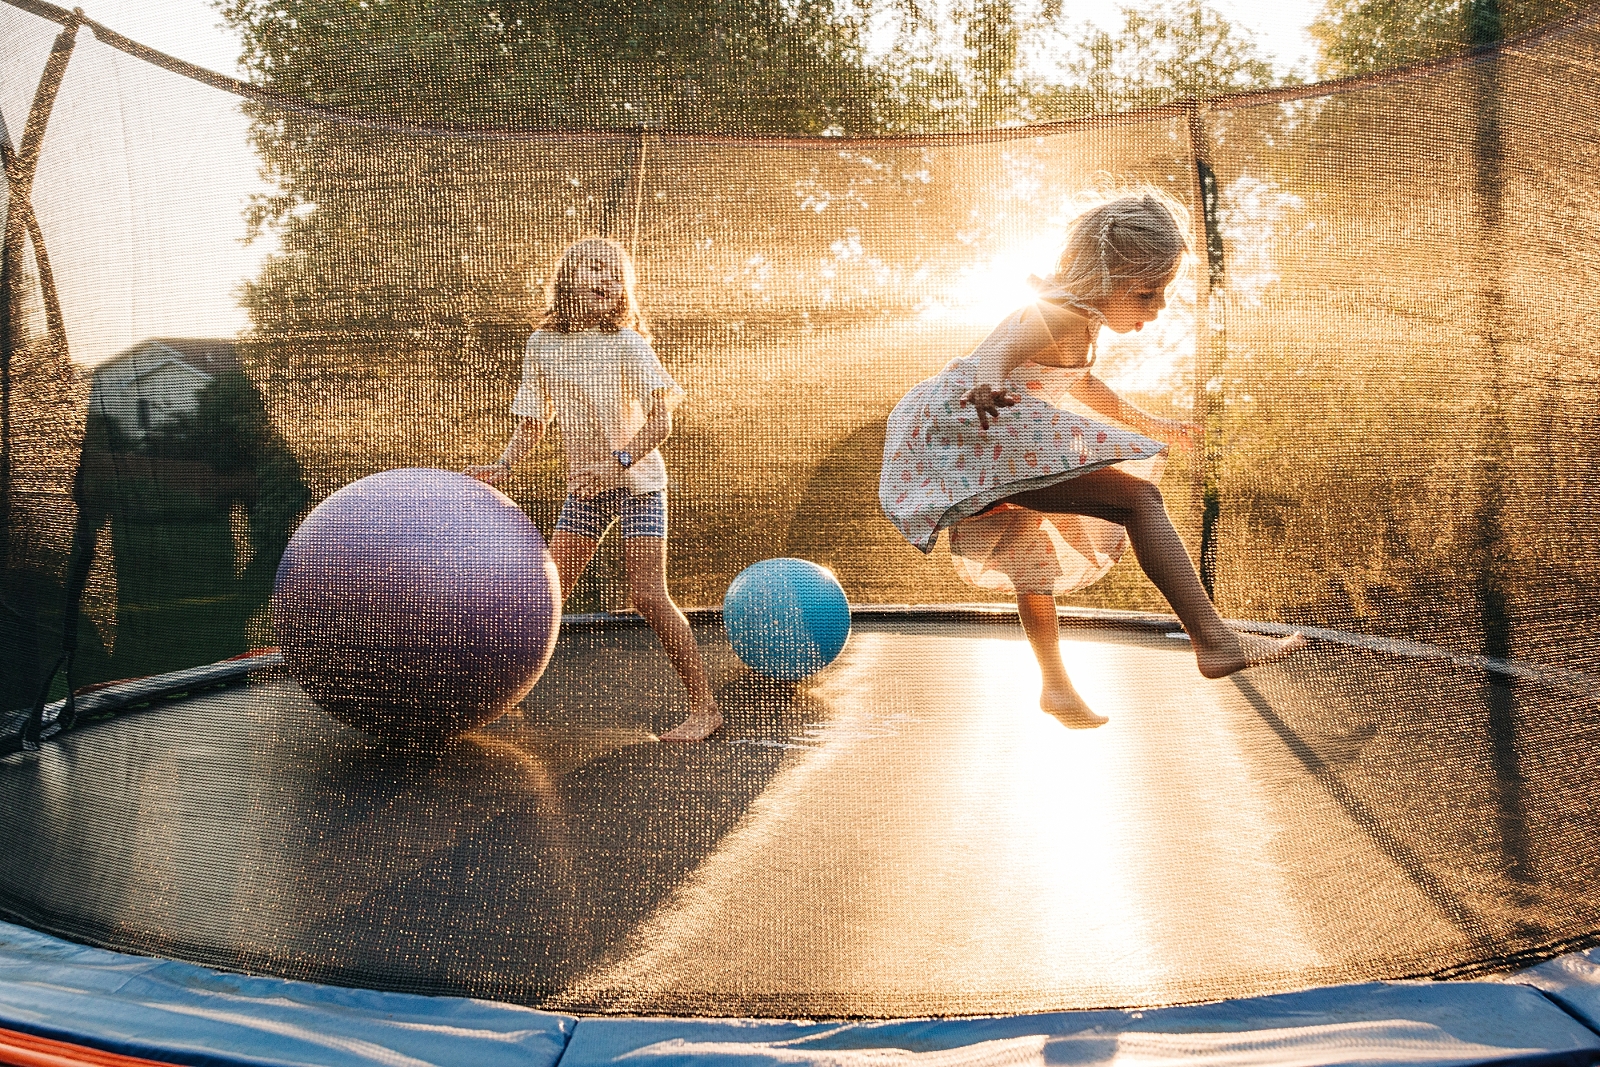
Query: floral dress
{"x": 942, "y": 471}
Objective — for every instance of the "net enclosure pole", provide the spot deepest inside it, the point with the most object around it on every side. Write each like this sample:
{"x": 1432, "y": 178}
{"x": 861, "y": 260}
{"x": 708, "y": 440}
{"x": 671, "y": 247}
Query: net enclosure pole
{"x": 21, "y": 163}
{"x": 620, "y": 222}
{"x": 10, "y": 273}
{"x": 1210, "y": 342}
{"x": 1491, "y": 549}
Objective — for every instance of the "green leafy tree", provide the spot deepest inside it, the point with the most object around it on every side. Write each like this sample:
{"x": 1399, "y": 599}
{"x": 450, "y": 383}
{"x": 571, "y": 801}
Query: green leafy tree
{"x": 1000, "y": 65}
{"x": 991, "y": 40}
{"x": 1364, "y": 36}
{"x": 1166, "y": 51}
{"x": 762, "y": 66}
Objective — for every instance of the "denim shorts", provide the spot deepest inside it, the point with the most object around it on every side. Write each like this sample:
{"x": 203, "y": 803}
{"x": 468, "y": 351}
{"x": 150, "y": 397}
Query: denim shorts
{"x": 642, "y": 515}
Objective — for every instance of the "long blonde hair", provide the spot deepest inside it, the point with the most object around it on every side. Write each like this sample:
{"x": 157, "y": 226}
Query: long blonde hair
{"x": 1140, "y": 236}
{"x": 561, "y": 301}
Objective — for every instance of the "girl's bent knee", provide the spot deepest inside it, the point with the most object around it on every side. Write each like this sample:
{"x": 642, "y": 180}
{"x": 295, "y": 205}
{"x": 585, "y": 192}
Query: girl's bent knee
{"x": 650, "y": 601}
{"x": 1147, "y": 495}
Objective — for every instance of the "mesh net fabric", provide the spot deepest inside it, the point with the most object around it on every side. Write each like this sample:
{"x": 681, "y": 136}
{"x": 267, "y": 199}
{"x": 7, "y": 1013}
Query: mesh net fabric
{"x": 1395, "y": 369}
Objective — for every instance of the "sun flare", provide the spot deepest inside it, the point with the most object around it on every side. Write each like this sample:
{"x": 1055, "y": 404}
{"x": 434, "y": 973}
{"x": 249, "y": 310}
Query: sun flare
{"x": 990, "y": 290}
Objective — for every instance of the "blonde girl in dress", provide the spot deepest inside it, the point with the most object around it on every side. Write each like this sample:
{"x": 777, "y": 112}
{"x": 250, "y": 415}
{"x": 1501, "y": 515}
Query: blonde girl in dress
{"x": 590, "y": 367}
{"x": 1040, "y": 500}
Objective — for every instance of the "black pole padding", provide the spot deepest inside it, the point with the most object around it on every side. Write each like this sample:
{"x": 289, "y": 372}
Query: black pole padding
{"x": 1485, "y": 28}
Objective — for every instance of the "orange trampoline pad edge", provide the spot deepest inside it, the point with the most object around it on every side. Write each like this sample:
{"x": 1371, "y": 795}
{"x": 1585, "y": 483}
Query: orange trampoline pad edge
{"x": 25, "y": 1050}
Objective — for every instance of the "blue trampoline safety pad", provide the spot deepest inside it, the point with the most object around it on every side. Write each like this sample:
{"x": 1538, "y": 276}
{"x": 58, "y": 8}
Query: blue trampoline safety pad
{"x": 1573, "y": 981}
{"x": 1433, "y": 1023}
{"x": 183, "y": 1014}
{"x": 178, "y": 1013}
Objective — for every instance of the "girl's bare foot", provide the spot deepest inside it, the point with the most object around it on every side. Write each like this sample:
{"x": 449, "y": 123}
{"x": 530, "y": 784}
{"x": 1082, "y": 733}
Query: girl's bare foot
{"x": 700, "y": 724}
{"x": 1069, "y": 709}
{"x": 1246, "y": 650}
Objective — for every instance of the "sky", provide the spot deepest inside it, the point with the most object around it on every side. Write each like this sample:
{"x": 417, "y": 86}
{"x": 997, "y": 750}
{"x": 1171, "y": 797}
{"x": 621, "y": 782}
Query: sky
{"x": 1279, "y": 26}
{"x": 191, "y": 29}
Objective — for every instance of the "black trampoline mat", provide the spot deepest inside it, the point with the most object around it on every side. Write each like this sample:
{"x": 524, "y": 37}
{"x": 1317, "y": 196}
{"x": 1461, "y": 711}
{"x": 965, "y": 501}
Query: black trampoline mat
{"x": 904, "y": 835}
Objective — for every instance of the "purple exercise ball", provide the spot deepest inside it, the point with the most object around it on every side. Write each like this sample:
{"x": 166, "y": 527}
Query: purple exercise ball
{"x": 416, "y": 604}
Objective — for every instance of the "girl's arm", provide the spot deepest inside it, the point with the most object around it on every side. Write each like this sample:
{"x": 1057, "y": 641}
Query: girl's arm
{"x": 607, "y": 473}
{"x": 656, "y": 429}
{"x": 523, "y": 440}
{"x": 1099, "y": 396}
{"x": 1025, "y": 335}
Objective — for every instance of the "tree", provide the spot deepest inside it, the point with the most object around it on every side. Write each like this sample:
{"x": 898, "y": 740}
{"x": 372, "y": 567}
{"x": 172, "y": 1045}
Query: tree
{"x": 760, "y": 66}
{"x": 992, "y": 64}
{"x": 1364, "y": 36}
{"x": 1166, "y": 51}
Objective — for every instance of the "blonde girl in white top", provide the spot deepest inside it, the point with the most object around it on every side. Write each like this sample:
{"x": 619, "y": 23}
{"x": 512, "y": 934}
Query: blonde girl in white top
{"x": 590, "y": 367}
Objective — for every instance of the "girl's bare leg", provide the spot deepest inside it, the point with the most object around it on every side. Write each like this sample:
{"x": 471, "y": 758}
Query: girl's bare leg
{"x": 571, "y": 553}
{"x": 1043, "y": 627}
{"x": 1136, "y": 505}
{"x": 646, "y": 561}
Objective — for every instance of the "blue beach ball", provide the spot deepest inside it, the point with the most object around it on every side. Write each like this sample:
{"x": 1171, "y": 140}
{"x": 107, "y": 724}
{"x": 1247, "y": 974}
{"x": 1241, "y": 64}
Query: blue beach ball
{"x": 786, "y": 618}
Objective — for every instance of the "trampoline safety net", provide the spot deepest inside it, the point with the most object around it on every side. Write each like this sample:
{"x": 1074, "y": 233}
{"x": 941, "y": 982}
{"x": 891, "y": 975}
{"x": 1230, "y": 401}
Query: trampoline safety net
{"x": 1385, "y": 333}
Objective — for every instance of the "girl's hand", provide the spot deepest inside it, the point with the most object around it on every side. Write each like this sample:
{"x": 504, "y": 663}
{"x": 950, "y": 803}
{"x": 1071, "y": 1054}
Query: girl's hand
{"x": 987, "y": 402}
{"x": 1178, "y": 431}
{"x": 491, "y": 473}
{"x": 596, "y": 478}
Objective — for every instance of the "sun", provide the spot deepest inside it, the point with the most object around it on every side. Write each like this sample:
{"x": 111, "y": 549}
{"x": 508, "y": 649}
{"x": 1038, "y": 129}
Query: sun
{"x": 989, "y": 290}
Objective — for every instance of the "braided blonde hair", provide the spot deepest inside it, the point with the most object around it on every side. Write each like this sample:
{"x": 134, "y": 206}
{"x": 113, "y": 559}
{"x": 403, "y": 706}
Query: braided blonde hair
{"x": 1137, "y": 237}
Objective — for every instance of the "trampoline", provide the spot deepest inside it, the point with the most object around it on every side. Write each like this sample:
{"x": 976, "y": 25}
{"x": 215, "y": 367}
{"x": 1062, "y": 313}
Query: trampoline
{"x": 1384, "y": 337}
{"x": 885, "y": 842}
